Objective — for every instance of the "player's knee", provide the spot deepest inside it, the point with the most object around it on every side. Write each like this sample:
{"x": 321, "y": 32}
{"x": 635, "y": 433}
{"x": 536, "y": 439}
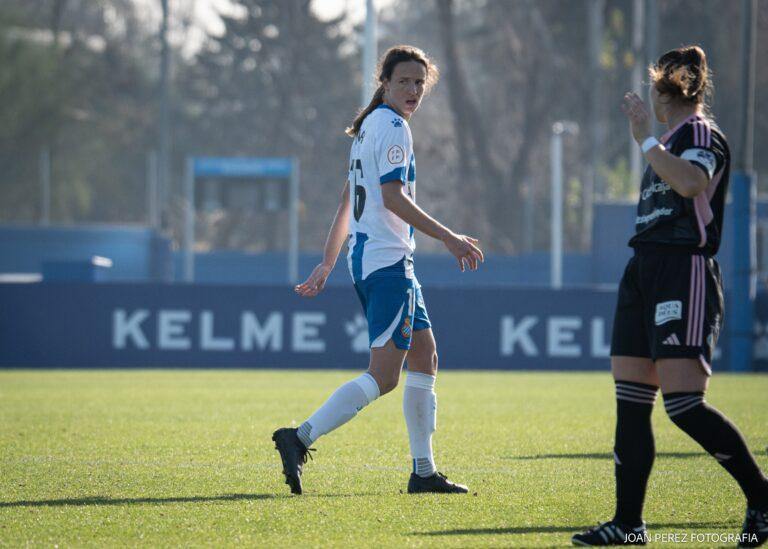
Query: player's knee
{"x": 388, "y": 385}
{"x": 429, "y": 363}
{"x": 424, "y": 362}
{"x": 684, "y": 408}
{"x": 388, "y": 382}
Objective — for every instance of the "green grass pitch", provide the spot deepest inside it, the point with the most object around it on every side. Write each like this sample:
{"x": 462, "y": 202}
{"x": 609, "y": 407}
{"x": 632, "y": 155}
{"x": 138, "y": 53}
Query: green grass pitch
{"x": 184, "y": 458}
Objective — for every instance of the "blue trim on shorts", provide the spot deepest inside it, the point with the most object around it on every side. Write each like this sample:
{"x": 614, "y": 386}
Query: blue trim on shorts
{"x": 381, "y": 299}
{"x": 420, "y": 316}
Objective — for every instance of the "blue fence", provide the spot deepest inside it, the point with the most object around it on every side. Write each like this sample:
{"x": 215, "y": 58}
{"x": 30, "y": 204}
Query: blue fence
{"x": 139, "y": 254}
{"x": 156, "y": 325}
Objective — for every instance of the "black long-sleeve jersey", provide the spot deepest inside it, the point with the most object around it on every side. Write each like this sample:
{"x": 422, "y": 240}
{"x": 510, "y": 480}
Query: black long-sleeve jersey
{"x": 665, "y": 218}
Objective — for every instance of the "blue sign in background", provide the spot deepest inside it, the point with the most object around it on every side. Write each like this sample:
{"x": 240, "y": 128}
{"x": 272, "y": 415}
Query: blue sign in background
{"x": 159, "y": 325}
{"x": 242, "y": 167}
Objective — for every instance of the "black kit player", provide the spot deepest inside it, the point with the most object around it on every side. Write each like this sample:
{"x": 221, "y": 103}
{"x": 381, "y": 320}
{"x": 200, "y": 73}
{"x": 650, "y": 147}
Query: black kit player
{"x": 670, "y": 305}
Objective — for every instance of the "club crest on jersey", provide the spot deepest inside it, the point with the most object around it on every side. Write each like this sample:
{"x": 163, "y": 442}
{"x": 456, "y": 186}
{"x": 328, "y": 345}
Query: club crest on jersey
{"x": 397, "y": 122}
{"x": 406, "y": 330}
{"x": 668, "y": 311}
{"x": 395, "y": 154}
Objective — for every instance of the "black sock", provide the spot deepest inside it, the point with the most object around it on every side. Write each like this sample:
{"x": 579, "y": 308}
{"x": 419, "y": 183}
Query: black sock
{"x": 720, "y": 438}
{"x": 634, "y": 450}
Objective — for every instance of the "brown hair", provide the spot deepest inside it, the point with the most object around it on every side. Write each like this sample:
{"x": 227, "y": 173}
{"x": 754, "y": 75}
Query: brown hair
{"x": 682, "y": 74}
{"x": 387, "y": 63}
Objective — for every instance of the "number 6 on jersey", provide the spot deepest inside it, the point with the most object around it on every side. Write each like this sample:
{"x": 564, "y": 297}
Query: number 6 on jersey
{"x": 359, "y": 201}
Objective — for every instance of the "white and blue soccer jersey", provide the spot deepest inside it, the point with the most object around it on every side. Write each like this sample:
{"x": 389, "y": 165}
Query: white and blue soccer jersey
{"x": 380, "y": 242}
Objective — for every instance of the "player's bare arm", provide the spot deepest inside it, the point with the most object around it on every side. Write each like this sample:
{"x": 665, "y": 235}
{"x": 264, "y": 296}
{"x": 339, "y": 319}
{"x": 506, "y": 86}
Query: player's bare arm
{"x": 685, "y": 178}
{"x": 337, "y": 235}
{"x": 463, "y": 247}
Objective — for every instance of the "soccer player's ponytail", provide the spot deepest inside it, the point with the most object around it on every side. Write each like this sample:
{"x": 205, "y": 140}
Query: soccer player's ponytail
{"x": 682, "y": 74}
{"x": 378, "y": 99}
{"x": 393, "y": 56}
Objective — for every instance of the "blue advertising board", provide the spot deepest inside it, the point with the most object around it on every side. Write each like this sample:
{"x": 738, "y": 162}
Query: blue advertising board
{"x": 161, "y": 325}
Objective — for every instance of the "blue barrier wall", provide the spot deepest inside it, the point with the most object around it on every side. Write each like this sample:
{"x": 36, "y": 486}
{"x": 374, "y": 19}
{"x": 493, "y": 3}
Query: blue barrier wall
{"x": 613, "y": 227}
{"x": 137, "y": 253}
{"x": 155, "y": 325}
{"x": 498, "y": 270}
{"x": 123, "y": 325}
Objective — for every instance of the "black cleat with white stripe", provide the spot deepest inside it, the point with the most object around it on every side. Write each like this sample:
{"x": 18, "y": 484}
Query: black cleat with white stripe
{"x": 755, "y": 530}
{"x": 611, "y": 533}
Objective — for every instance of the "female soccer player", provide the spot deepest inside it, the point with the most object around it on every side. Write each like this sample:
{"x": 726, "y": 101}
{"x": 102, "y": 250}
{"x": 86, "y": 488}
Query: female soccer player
{"x": 670, "y": 303}
{"x": 378, "y": 215}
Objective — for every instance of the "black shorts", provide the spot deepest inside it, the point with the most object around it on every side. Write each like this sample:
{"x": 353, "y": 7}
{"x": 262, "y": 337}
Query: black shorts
{"x": 670, "y": 306}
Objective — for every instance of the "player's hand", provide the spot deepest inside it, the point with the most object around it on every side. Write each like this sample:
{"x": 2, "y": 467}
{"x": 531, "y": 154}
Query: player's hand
{"x": 465, "y": 249}
{"x": 316, "y": 281}
{"x": 638, "y": 115}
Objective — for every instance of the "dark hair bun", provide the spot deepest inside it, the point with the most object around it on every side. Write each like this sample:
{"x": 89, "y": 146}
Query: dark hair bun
{"x": 682, "y": 73}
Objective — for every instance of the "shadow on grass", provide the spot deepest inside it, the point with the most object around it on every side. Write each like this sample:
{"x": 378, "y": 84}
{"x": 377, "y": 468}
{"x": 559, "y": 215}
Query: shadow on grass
{"x": 607, "y": 455}
{"x": 101, "y": 500}
{"x": 567, "y": 529}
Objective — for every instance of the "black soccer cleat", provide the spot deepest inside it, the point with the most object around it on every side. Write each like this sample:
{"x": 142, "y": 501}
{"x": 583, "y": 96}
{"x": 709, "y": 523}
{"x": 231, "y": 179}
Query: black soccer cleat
{"x": 755, "y": 530}
{"x": 436, "y": 484}
{"x": 611, "y": 533}
{"x": 294, "y": 454}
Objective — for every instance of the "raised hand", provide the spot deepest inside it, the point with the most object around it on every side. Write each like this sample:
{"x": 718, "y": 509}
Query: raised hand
{"x": 638, "y": 115}
{"x": 315, "y": 283}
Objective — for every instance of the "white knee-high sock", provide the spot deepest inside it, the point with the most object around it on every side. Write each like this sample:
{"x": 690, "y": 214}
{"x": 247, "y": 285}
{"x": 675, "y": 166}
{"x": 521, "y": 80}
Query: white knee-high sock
{"x": 420, "y": 409}
{"x": 340, "y": 407}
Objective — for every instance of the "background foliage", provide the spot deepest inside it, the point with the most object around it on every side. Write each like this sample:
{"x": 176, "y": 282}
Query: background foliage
{"x": 80, "y": 79}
